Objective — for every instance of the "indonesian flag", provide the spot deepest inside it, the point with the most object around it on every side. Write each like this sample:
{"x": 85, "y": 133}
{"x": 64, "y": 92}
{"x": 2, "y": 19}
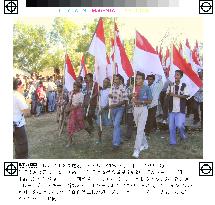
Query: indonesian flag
{"x": 187, "y": 52}
{"x": 145, "y": 58}
{"x": 181, "y": 49}
{"x": 160, "y": 55}
{"x": 167, "y": 61}
{"x": 109, "y": 70}
{"x": 83, "y": 71}
{"x": 70, "y": 76}
{"x": 191, "y": 79}
{"x": 167, "y": 58}
{"x": 98, "y": 50}
{"x": 197, "y": 49}
{"x": 123, "y": 65}
{"x": 195, "y": 62}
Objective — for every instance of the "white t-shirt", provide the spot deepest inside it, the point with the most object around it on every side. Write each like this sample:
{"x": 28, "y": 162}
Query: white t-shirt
{"x": 176, "y": 100}
{"x": 104, "y": 99}
{"x": 19, "y": 104}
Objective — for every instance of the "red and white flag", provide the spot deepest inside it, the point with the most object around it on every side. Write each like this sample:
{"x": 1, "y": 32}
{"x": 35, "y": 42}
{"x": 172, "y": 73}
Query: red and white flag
{"x": 121, "y": 60}
{"x": 187, "y": 52}
{"x": 145, "y": 58}
{"x": 167, "y": 61}
{"x": 98, "y": 50}
{"x": 181, "y": 49}
{"x": 195, "y": 62}
{"x": 83, "y": 71}
{"x": 109, "y": 70}
{"x": 70, "y": 76}
{"x": 160, "y": 55}
{"x": 191, "y": 79}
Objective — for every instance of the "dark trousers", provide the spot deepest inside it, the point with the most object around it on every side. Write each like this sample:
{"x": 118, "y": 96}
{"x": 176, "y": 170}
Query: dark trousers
{"x": 164, "y": 104}
{"x": 151, "y": 120}
{"x": 21, "y": 143}
{"x": 91, "y": 115}
{"x": 129, "y": 125}
{"x": 196, "y": 111}
{"x": 189, "y": 104}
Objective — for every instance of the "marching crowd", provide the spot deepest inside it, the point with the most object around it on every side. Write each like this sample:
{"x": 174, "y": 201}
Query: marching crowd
{"x": 89, "y": 105}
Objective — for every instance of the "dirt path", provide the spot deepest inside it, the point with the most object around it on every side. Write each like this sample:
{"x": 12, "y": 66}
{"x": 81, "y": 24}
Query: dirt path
{"x": 44, "y": 143}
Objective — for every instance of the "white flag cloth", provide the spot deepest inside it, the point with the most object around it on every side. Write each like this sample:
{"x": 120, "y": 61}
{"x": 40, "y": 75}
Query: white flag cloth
{"x": 70, "y": 76}
{"x": 145, "y": 58}
{"x": 189, "y": 76}
{"x": 98, "y": 50}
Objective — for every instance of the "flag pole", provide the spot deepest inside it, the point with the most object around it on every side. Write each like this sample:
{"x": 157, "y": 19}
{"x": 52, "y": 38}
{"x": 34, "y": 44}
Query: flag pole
{"x": 88, "y": 108}
{"x": 81, "y": 67}
{"x": 113, "y": 66}
{"x": 133, "y": 65}
{"x": 93, "y": 82}
{"x": 100, "y": 116}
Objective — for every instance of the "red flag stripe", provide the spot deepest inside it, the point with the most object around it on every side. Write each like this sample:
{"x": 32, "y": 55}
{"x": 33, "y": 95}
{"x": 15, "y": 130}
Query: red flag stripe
{"x": 142, "y": 43}
{"x": 70, "y": 67}
{"x": 185, "y": 67}
{"x": 100, "y": 31}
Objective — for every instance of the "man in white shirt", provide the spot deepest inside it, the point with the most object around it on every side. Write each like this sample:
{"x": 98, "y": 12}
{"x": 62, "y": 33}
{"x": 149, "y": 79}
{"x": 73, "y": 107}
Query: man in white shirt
{"x": 178, "y": 93}
{"x": 51, "y": 95}
{"x": 104, "y": 103}
{"x": 20, "y": 109}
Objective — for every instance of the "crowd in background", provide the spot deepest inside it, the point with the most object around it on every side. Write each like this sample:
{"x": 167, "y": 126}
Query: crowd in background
{"x": 140, "y": 102}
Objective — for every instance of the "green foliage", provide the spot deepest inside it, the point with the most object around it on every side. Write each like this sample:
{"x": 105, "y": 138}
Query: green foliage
{"x": 30, "y": 47}
{"x": 36, "y": 49}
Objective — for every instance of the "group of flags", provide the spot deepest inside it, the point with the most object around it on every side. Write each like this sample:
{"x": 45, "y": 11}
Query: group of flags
{"x": 145, "y": 59}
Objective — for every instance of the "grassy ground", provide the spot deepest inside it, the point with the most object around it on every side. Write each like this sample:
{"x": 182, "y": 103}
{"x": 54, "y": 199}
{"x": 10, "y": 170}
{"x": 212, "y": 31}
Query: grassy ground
{"x": 44, "y": 143}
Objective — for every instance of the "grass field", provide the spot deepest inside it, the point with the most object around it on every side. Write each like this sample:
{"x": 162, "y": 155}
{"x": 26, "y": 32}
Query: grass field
{"x": 44, "y": 143}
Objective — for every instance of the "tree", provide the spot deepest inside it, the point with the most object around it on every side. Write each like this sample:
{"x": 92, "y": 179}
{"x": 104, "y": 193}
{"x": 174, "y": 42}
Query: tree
{"x": 30, "y": 47}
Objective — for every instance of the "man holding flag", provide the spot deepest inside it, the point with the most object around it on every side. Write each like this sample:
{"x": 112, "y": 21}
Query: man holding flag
{"x": 178, "y": 93}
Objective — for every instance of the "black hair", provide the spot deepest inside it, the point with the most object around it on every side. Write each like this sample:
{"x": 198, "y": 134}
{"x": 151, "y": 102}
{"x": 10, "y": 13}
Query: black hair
{"x": 141, "y": 74}
{"x": 180, "y": 72}
{"x": 60, "y": 86}
{"x": 151, "y": 76}
{"x": 90, "y": 74}
{"x": 16, "y": 83}
{"x": 80, "y": 77}
{"x": 77, "y": 84}
{"x": 120, "y": 77}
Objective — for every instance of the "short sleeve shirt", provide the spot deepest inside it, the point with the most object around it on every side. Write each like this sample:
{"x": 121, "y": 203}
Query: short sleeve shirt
{"x": 119, "y": 94}
{"x": 19, "y": 104}
{"x": 176, "y": 100}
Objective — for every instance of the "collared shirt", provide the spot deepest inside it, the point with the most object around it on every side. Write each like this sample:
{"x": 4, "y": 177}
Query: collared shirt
{"x": 119, "y": 94}
{"x": 199, "y": 95}
{"x": 156, "y": 88}
{"x": 19, "y": 104}
{"x": 176, "y": 100}
{"x": 51, "y": 86}
{"x": 104, "y": 99}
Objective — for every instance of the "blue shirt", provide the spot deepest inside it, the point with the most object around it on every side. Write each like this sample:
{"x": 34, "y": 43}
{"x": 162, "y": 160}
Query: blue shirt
{"x": 145, "y": 93}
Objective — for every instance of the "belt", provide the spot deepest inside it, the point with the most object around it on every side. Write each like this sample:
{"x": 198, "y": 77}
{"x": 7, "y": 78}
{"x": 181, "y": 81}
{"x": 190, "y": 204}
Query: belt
{"x": 139, "y": 105}
{"x": 51, "y": 91}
